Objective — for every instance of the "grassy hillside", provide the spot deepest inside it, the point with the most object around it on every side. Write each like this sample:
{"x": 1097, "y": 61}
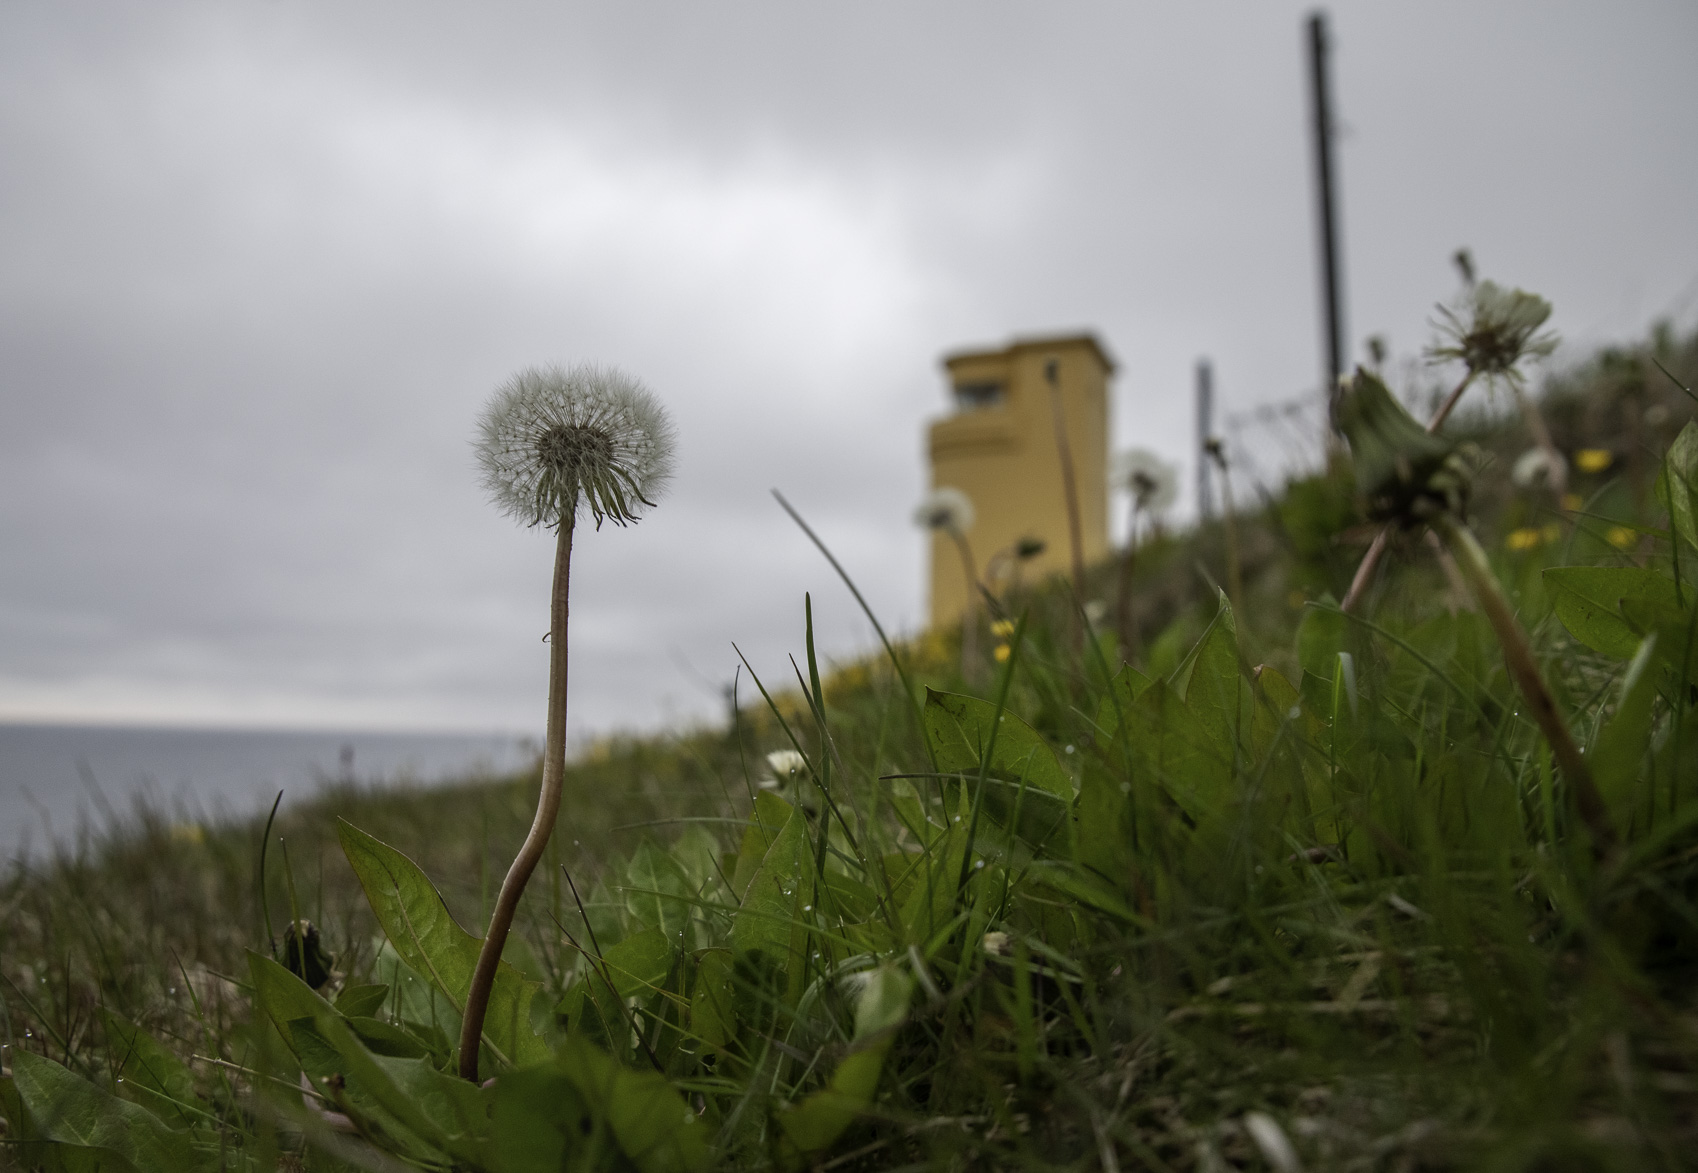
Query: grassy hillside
{"x": 1275, "y": 887}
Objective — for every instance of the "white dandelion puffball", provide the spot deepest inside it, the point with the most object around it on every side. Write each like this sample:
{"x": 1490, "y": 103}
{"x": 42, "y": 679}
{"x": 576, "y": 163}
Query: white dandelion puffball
{"x": 1152, "y": 481}
{"x": 554, "y": 441}
{"x": 946, "y": 508}
{"x": 1537, "y": 467}
{"x": 786, "y": 763}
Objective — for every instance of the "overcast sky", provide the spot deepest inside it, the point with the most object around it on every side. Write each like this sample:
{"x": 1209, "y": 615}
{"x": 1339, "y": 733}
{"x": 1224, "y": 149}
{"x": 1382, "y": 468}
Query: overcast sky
{"x": 262, "y": 263}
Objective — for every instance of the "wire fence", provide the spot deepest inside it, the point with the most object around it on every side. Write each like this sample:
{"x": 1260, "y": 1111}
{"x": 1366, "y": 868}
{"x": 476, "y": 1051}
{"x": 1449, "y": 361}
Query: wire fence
{"x": 1271, "y": 443}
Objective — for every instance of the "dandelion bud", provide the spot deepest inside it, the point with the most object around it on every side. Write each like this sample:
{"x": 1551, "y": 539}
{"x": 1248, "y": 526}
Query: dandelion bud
{"x": 1404, "y": 471}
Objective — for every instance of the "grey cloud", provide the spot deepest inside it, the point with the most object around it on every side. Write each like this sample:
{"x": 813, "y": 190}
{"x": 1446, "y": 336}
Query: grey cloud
{"x": 261, "y": 265}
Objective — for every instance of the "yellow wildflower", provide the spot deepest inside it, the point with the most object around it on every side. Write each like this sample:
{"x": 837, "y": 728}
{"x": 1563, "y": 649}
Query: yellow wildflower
{"x": 1621, "y": 537}
{"x": 1002, "y": 653}
{"x": 1002, "y": 628}
{"x": 1593, "y": 459}
{"x": 1524, "y": 538}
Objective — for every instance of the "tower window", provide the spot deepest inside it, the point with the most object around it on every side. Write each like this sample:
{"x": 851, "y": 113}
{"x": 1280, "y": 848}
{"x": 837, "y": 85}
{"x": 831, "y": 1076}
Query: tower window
{"x": 977, "y": 396}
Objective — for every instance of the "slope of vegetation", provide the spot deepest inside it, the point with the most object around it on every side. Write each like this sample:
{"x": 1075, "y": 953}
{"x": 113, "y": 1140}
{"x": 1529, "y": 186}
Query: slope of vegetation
{"x": 1289, "y": 888}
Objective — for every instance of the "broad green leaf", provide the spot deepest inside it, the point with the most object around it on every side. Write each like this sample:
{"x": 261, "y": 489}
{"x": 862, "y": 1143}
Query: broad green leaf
{"x": 653, "y": 1126}
{"x": 299, "y": 1013}
{"x": 768, "y": 923}
{"x": 1172, "y": 748}
{"x": 541, "y": 1123}
{"x": 281, "y": 996}
{"x": 25, "y": 1147}
{"x": 768, "y": 818}
{"x": 639, "y": 964}
{"x": 1123, "y": 690}
{"x": 1677, "y": 484}
{"x": 929, "y": 904}
{"x": 696, "y": 854}
{"x": 1611, "y": 609}
{"x": 426, "y": 936}
{"x": 1026, "y": 790}
{"x": 1320, "y": 637}
{"x": 1215, "y": 690}
{"x": 657, "y": 892}
{"x": 1084, "y": 888}
{"x": 152, "y": 1076}
{"x": 1104, "y": 833}
{"x": 1626, "y": 741}
{"x": 65, "y": 1108}
{"x": 449, "y": 1112}
{"x": 1168, "y": 648}
{"x": 712, "y": 1010}
{"x": 816, "y": 1122}
{"x": 362, "y": 1001}
{"x": 385, "y": 1038}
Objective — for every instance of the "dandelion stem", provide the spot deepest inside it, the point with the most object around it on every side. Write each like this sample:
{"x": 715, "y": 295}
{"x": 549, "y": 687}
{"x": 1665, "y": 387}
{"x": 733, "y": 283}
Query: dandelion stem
{"x": 548, "y": 809}
{"x": 1123, "y": 610}
{"x": 1524, "y": 668}
{"x": 970, "y": 613}
{"x": 1070, "y": 487}
{"x": 1449, "y": 405}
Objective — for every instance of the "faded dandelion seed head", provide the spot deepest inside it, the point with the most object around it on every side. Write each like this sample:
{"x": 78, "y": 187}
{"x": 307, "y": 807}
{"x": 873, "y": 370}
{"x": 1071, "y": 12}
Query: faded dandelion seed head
{"x": 1493, "y": 330}
{"x": 555, "y": 441}
{"x": 1152, "y": 481}
{"x": 947, "y": 509}
{"x": 1537, "y": 468}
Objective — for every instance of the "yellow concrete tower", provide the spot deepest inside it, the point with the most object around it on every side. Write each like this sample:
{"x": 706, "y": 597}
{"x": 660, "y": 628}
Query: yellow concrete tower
{"x": 998, "y": 446}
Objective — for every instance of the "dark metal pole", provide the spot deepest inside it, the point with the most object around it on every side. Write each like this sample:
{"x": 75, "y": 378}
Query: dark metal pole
{"x": 1327, "y": 205}
{"x": 1205, "y": 433}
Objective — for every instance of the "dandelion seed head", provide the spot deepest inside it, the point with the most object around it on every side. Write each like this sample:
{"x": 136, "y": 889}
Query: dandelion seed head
{"x": 554, "y": 442}
{"x": 1493, "y": 330}
{"x": 1152, "y": 481}
{"x": 1536, "y": 468}
{"x": 786, "y": 763}
{"x": 946, "y": 508}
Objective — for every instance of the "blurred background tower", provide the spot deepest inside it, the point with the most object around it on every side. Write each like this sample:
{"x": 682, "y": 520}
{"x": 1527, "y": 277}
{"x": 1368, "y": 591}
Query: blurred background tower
{"x": 998, "y": 446}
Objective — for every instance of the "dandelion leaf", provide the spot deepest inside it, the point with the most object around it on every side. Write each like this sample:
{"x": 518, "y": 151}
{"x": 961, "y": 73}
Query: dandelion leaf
{"x": 1127, "y": 684}
{"x": 1611, "y": 609}
{"x": 584, "y": 1111}
{"x": 151, "y": 1075}
{"x": 768, "y": 818}
{"x": 657, "y": 891}
{"x": 768, "y": 924}
{"x": 815, "y": 1123}
{"x": 1025, "y": 789}
{"x": 1625, "y": 742}
{"x": 1677, "y": 485}
{"x": 427, "y": 938}
{"x": 362, "y": 1001}
{"x": 100, "y": 1129}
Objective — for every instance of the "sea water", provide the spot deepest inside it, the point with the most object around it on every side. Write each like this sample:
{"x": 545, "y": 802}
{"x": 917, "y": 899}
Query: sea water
{"x": 59, "y": 781}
